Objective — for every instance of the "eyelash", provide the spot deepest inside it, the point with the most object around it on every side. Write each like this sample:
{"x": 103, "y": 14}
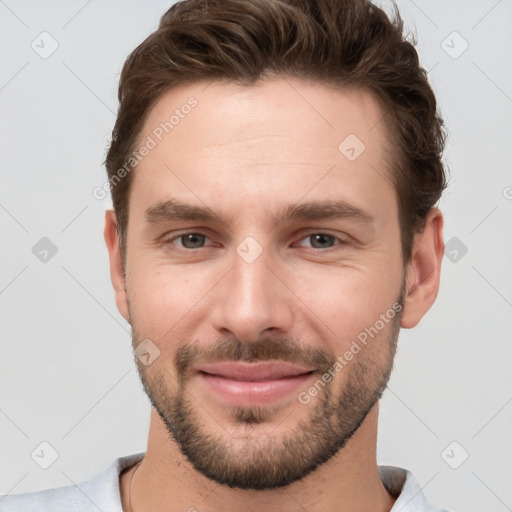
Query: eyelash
{"x": 341, "y": 241}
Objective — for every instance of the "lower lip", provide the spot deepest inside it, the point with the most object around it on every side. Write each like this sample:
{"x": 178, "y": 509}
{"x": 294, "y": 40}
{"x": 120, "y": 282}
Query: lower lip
{"x": 252, "y": 393}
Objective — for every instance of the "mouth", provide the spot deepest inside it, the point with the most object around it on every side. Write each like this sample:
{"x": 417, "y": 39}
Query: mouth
{"x": 252, "y": 384}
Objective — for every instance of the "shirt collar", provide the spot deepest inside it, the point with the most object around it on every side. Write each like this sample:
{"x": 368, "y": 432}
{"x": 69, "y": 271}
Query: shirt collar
{"x": 400, "y": 483}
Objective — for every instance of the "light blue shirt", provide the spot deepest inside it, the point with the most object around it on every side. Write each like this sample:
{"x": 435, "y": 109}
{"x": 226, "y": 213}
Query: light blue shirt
{"x": 102, "y": 492}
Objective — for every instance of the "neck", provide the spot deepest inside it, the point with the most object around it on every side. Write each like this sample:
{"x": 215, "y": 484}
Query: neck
{"x": 166, "y": 481}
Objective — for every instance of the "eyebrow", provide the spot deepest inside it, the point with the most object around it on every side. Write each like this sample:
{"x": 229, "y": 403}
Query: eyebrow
{"x": 173, "y": 209}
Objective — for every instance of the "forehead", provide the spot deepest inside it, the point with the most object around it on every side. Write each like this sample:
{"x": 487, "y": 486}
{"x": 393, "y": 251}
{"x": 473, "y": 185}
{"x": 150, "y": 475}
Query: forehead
{"x": 279, "y": 137}
{"x": 304, "y": 110}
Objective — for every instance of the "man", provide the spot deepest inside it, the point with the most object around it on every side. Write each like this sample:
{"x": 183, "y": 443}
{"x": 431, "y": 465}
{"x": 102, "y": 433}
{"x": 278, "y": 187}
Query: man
{"x": 274, "y": 169}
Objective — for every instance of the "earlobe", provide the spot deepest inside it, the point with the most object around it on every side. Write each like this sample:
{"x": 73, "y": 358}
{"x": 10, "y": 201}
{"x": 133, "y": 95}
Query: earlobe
{"x": 116, "y": 267}
{"x": 424, "y": 270}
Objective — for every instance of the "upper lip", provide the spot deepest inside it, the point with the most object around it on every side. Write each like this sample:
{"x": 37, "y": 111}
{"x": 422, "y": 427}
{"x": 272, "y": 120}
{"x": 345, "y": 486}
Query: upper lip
{"x": 243, "y": 371}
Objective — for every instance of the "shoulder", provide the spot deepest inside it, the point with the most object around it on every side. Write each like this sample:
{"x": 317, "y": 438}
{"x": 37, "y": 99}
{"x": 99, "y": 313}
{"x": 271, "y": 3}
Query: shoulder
{"x": 62, "y": 498}
{"x": 99, "y": 493}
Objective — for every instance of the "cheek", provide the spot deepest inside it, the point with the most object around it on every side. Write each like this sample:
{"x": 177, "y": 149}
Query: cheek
{"x": 163, "y": 299}
{"x": 353, "y": 304}
{"x": 348, "y": 294}
{"x": 149, "y": 299}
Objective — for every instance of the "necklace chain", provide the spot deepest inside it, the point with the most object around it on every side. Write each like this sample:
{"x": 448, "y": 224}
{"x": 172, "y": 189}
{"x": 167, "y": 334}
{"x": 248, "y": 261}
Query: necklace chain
{"x": 130, "y": 487}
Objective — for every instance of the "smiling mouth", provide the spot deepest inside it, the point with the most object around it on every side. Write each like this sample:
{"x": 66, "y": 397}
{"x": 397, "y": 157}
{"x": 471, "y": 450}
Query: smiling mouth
{"x": 241, "y": 383}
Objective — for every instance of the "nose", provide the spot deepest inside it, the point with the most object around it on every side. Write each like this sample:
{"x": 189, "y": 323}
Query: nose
{"x": 253, "y": 299}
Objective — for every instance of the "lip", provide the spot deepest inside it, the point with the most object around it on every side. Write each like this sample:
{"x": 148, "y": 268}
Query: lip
{"x": 265, "y": 370}
{"x": 252, "y": 384}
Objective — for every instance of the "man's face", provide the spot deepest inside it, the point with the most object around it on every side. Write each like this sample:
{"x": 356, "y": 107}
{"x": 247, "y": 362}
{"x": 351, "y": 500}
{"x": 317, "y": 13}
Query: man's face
{"x": 269, "y": 281}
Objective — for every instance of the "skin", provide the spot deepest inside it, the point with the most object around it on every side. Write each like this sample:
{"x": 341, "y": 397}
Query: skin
{"x": 246, "y": 153}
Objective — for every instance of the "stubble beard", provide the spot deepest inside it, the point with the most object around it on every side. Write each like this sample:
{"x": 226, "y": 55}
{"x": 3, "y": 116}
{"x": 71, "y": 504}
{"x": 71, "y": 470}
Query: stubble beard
{"x": 259, "y": 460}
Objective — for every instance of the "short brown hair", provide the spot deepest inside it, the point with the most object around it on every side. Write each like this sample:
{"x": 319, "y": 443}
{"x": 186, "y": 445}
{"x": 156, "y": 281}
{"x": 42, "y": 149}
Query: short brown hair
{"x": 343, "y": 43}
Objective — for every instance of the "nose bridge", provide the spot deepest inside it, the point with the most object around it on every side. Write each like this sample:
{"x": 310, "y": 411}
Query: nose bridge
{"x": 251, "y": 299}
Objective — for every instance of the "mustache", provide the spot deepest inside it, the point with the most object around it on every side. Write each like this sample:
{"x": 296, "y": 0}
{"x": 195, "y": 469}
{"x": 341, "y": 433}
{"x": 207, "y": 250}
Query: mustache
{"x": 266, "y": 349}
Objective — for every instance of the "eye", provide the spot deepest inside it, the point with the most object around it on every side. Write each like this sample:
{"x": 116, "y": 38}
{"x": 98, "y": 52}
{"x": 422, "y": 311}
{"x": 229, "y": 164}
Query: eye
{"x": 322, "y": 240}
{"x": 317, "y": 240}
{"x": 190, "y": 240}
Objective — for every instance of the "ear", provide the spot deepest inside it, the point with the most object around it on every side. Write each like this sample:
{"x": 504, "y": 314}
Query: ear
{"x": 424, "y": 270}
{"x": 116, "y": 267}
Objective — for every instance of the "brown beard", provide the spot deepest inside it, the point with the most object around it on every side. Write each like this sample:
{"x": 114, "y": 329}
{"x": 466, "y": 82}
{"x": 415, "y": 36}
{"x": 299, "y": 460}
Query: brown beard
{"x": 256, "y": 461}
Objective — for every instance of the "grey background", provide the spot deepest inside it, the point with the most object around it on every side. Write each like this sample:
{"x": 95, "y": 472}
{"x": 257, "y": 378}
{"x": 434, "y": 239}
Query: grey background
{"x": 66, "y": 369}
